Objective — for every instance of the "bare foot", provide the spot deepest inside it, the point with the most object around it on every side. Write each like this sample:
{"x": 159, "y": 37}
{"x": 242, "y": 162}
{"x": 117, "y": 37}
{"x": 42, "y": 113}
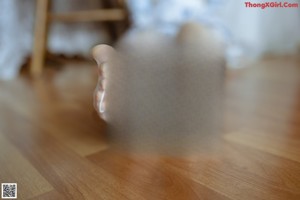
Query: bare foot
{"x": 102, "y": 54}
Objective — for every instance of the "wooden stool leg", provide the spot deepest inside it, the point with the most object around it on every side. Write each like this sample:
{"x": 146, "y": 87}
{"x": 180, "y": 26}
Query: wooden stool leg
{"x": 40, "y": 37}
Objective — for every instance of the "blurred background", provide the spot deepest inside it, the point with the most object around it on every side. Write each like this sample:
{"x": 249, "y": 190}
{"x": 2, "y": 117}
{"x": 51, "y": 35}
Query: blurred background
{"x": 71, "y": 28}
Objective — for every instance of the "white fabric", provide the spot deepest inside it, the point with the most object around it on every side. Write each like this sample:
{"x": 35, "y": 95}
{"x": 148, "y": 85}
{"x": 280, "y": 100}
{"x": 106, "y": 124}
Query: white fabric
{"x": 16, "y": 25}
{"x": 15, "y": 35}
{"x": 248, "y": 32}
{"x": 260, "y": 31}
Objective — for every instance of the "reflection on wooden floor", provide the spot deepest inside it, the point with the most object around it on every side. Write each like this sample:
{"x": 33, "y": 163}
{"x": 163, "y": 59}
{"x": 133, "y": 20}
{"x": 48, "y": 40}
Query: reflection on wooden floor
{"x": 53, "y": 145}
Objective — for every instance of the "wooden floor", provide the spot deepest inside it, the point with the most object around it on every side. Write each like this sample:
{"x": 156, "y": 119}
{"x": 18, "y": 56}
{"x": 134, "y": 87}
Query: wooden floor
{"x": 53, "y": 145}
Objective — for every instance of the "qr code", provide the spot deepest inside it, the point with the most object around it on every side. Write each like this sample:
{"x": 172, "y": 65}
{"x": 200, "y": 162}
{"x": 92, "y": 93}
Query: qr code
{"x": 9, "y": 191}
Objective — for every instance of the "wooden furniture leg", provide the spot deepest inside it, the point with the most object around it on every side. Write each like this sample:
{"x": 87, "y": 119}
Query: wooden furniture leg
{"x": 44, "y": 16}
{"x": 40, "y": 37}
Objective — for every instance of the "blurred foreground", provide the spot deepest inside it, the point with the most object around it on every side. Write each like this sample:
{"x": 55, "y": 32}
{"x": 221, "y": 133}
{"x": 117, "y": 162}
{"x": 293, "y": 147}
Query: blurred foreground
{"x": 165, "y": 96}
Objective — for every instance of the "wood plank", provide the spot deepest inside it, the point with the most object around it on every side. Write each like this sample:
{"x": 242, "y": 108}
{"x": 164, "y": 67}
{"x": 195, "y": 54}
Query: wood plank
{"x": 89, "y": 15}
{"x": 261, "y": 168}
{"x": 77, "y": 117}
{"x": 279, "y": 145}
{"x": 15, "y": 168}
{"x": 240, "y": 173}
{"x": 151, "y": 177}
{"x": 49, "y": 123}
{"x": 67, "y": 172}
{"x": 50, "y": 196}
